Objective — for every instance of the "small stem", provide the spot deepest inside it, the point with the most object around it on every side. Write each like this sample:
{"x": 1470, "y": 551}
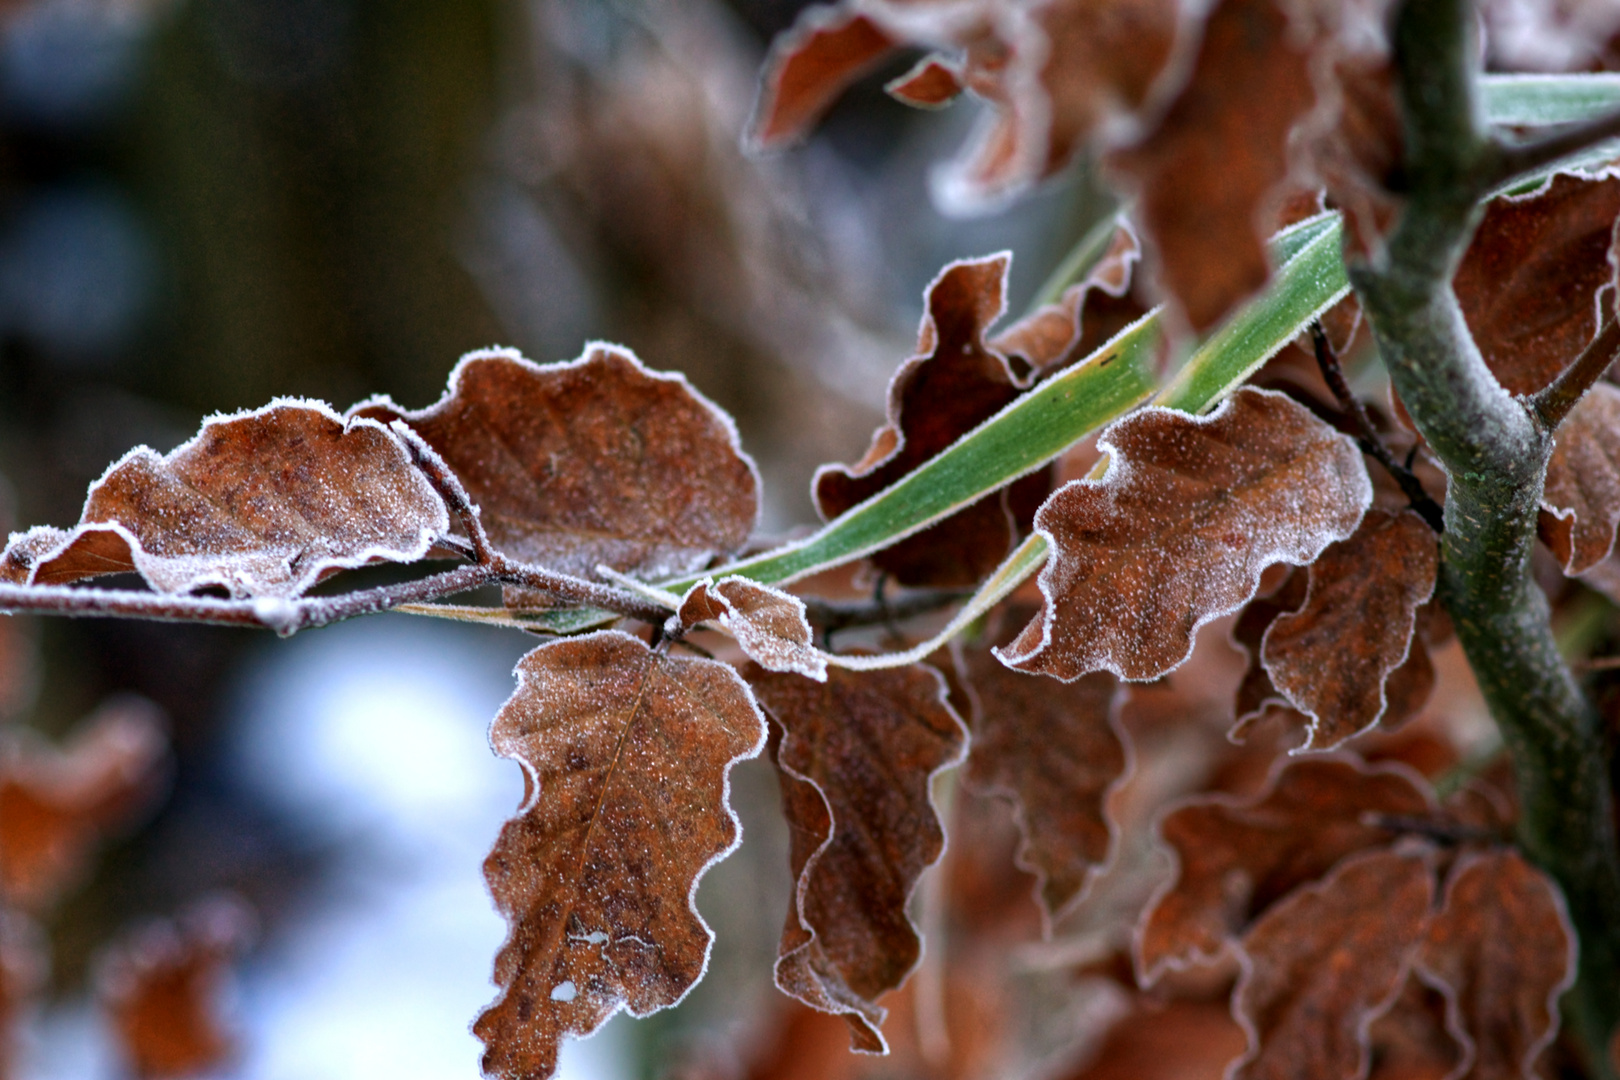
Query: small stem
{"x": 1513, "y": 160}
{"x": 831, "y": 616}
{"x": 1554, "y": 401}
{"x": 1328, "y": 361}
{"x": 448, "y": 485}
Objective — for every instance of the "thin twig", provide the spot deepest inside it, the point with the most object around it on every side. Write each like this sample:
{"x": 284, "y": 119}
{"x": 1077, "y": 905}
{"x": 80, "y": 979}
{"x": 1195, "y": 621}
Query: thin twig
{"x": 1513, "y": 160}
{"x": 448, "y": 485}
{"x": 831, "y": 616}
{"x": 1328, "y": 361}
{"x": 1553, "y": 403}
{"x": 1444, "y": 832}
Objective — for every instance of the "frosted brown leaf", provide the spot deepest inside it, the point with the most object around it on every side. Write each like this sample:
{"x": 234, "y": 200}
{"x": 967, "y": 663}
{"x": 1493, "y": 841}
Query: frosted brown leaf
{"x": 1177, "y": 533}
{"x": 1055, "y": 750}
{"x": 1529, "y": 284}
{"x": 769, "y": 624}
{"x": 627, "y": 754}
{"x": 161, "y": 986}
{"x": 1256, "y": 696}
{"x": 857, "y": 756}
{"x": 953, "y": 383}
{"x": 1323, "y": 961}
{"x": 1503, "y": 948}
{"x": 57, "y": 804}
{"x": 1333, "y": 657}
{"x": 1236, "y": 858}
{"x": 262, "y": 503}
{"x": 809, "y": 66}
{"x": 1580, "y": 504}
{"x": 596, "y": 460}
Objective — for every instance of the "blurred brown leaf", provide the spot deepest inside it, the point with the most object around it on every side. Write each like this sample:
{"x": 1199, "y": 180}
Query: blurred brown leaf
{"x": 1237, "y": 858}
{"x": 161, "y": 985}
{"x": 1410, "y": 1041}
{"x": 1184, "y": 1040}
{"x": 857, "y": 757}
{"x": 1580, "y": 504}
{"x": 769, "y": 625}
{"x": 810, "y": 65}
{"x": 597, "y": 460}
{"x": 953, "y": 383}
{"x": 1333, "y": 657}
{"x": 57, "y": 804}
{"x": 932, "y": 83}
{"x": 1056, "y": 752}
{"x": 1256, "y": 693}
{"x": 1529, "y": 284}
{"x": 259, "y": 504}
{"x": 1324, "y": 960}
{"x": 1177, "y": 533}
{"x": 626, "y": 753}
{"x": 1503, "y": 948}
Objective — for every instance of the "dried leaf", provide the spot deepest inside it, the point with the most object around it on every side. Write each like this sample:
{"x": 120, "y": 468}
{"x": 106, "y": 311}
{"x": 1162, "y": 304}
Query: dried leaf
{"x": 1333, "y": 657}
{"x": 1185, "y": 1040}
{"x": 1357, "y": 148}
{"x": 262, "y": 503}
{"x": 627, "y": 754}
{"x": 953, "y": 383}
{"x": 932, "y": 84}
{"x": 1410, "y": 1041}
{"x": 55, "y": 805}
{"x": 1580, "y": 504}
{"x": 161, "y": 987}
{"x": 769, "y": 624}
{"x": 1503, "y": 948}
{"x": 597, "y": 460}
{"x": 1056, "y": 752}
{"x": 1529, "y": 284}
{"x": 1177, "y": 533}
{"x": 1206, "y": 172}
{"x": 857, "y": 756}
{"x": 1255, "y": 693}
{"x": 1237, "y": 858}
{"x": 1326, "y": 959}
{"x": 809, "y": 66}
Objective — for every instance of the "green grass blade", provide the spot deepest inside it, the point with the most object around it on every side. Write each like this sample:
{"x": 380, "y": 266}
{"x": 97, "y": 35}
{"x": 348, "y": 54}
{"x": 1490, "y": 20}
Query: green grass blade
{"x": 1541, "y": 100}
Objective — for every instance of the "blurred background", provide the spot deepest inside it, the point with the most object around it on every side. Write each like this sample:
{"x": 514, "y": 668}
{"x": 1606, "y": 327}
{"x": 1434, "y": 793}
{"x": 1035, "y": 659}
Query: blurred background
{"x": 208, "y": 203}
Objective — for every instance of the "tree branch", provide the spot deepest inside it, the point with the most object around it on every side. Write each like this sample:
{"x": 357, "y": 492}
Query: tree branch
{"x": 1553, "y": 402}
{"x": 1328, "y": 361}
{"x": 1495, "y": 449}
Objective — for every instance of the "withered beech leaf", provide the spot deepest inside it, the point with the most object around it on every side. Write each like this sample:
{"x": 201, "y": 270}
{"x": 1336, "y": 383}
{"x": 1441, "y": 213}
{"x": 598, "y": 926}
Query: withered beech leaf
{"x": 857, "y": 756}
{"x": 161, "y": 985}
{"x": 1410, "y": 1040}
{"x": 1255, "y": 692}
{"x": 1236, "y": 858}
{"x": 627, "y": 754}
{"x": 56, "y": 804}
{"x": 809, "y": 66}
{"x": 932, "y": 83}
{"x": 259, "y": 503}
{"x": 1056, "y": 751}
{"x": 953, "y": 383}
{"x": 1192, "y": 509}
{"x": 1326, "y": 959}
{"x": 1529, "y": 284}
{"x": 1503, "y": 948}
{"x": 1333, "y": 656}
{"x": 1085, "y": 317}
{"x": 591, "y": 461}
{"x": 1215, "y": 159}
{"x": 769, "y": 624}
{"x": 1580, "y": 504}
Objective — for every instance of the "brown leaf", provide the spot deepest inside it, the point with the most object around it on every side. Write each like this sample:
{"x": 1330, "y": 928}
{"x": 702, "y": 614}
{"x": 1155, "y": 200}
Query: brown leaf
{"x": 1184, "y": 1040}
{"x": 769, "y": 624}
{"x": 55, "y": 805}
{"x": 1503, "y": 948}
{"x": 1177, "y": 533}
{"x": 1357, "y": 148}
{"x": 1333, "y": 657}
{"x": 1056, "y": 752}
{"x": 1218, "y": 155}
{"x": 1090, "y": 313}
{"x": 1580, "y": 504}
{"x": 857, "y": 756}
{"x": 1529, "y": 284}
{"x": 596, "y": 460}
{"x": 260, "y": 503}
{"x": 626, "y": 753}
{"x": 1326, "y": 959}
{"x": 932, "y": 83}
{"x": 1237, "y": 858}
{"x": 161, "y": 987}
{"x": 810, "y": 65}
{"x": 953, "y": 383}
{"x": 1410, "y": 1041}
{"x": 1255, "y": 693}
